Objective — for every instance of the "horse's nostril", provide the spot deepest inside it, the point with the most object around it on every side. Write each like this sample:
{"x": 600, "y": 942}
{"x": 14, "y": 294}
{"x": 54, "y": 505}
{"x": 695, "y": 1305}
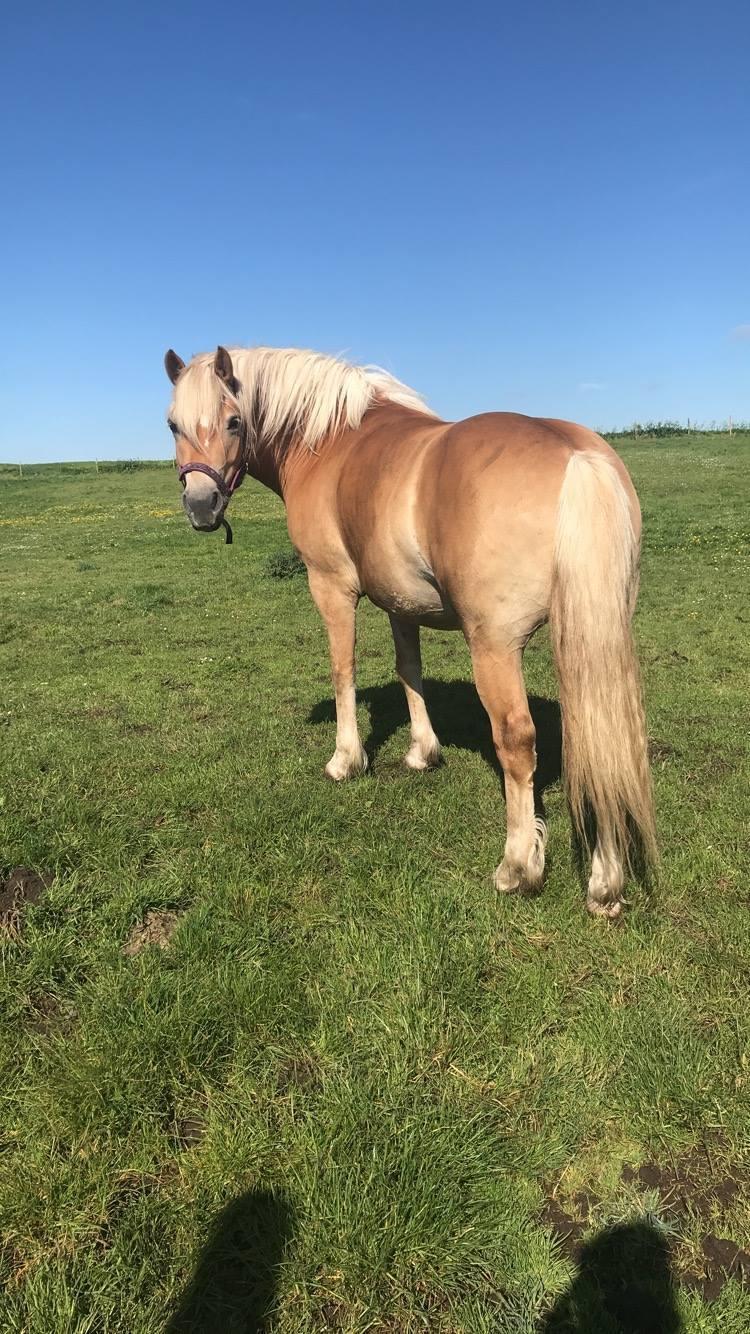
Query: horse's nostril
{"x": 215, "y": 500}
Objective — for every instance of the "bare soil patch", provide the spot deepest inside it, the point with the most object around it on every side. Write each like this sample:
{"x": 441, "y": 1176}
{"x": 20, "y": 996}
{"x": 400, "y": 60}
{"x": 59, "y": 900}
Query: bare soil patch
{"x": 723, "y": 1260}
{"x": 660, "y": 752}
{"x": 49, "y": 1014}
{"x": 687, "y": 1187}
{"x": 566, "y": 1229}
{"x": 156, "y": 928}
{"x": 22, "y": 886}
{"x": 129, "y": 1188}
{"x": 189, "y": 1131}
{"x": 298, "y": 1073}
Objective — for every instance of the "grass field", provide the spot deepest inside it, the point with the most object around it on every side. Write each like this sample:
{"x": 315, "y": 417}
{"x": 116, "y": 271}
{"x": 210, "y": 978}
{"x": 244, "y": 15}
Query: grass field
{"x": 347, "y": 1086}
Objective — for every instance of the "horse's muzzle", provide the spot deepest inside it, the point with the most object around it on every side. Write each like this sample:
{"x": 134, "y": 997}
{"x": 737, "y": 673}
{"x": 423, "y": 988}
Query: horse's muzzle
{"x": 205, "y": 510}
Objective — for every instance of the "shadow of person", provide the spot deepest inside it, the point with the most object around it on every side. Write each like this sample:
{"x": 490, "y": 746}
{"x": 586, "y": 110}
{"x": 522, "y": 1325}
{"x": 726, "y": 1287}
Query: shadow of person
{"x": 233, "y": 1289}
{"x": 459, "y": 720}
{"x": 624, "y": 1285}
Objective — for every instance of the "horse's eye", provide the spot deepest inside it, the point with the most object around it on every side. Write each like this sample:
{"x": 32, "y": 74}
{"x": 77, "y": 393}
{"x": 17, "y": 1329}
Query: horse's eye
{"x": 172, "y": 426}
{"x": 233, "y": 425}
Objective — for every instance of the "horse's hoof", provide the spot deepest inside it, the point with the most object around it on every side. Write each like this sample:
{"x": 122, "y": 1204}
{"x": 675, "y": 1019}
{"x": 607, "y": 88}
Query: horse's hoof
{"x": 342, "y": 767}
{"x": 507, "y": 880}
{"x": 611, "y": 911}
{"x": 419, "y": 760}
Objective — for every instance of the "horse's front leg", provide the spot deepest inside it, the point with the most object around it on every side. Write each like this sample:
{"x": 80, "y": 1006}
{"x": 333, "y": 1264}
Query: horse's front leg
{"x": 338, "y": 607}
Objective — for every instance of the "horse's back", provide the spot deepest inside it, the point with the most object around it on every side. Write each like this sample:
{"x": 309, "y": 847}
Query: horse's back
{"x": 489, "y": 496}
{"x": 451, "y": 523}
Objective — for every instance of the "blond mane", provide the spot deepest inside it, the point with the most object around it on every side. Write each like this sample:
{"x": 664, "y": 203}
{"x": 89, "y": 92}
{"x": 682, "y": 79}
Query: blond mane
{"x": 286, "y": 394}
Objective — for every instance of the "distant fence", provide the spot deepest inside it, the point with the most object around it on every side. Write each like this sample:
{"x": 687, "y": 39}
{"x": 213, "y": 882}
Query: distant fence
{"x": 82, "y": 469}
{"x": 659, "y": 430}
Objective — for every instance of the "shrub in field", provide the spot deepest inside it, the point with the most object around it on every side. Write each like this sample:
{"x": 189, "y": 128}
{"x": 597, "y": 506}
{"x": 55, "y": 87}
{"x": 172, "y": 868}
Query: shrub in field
{"x": 284, "y": 565}
{"x": 659, "y": 429}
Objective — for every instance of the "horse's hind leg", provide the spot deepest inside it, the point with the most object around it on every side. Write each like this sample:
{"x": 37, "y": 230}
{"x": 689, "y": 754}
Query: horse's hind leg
{"x": 604, "y": 897}
{"x": 501, "y": 689}
{"x": 424, "y": 751}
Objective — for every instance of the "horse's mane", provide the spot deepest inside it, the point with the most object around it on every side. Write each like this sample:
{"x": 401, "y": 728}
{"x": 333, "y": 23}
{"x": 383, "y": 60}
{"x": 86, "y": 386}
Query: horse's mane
{"x": 286, "y": 394}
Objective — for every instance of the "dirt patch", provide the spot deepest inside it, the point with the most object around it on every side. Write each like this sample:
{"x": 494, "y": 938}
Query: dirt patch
{"x": 566, "y": 1230}
{"x": 156, "y": 928}
{"x": 50, "y": 1014}
{"x": 298, "y": 1073}
{"x": 673, "y": 658}
{"x": 659, "y": 752}
{"x": 688, "y": 1188}
{"x": 725, "y": 1259}
{"x": 334, "y": 1314}
{"x": 128, "y": 1190}
{"x": 691, "y": 1186}
{"x": 188, "y": 1131}
{"x": 722, "y": 1260}
{"x": 21, "y": 886}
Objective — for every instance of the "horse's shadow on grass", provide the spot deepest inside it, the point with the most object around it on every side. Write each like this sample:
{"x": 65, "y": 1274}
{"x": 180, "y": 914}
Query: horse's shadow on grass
{"x": 233, "y": 1290}
{"x": 624, "y": 1285}
{"x": 459, "y": 720}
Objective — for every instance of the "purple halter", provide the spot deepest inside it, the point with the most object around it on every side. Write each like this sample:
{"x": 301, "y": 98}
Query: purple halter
{"x": 227, "y": 490}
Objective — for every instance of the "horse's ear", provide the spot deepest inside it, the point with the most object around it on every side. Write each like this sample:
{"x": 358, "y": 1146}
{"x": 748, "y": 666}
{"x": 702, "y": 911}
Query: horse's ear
{"x": 223, "y": 367}
{"x": 173, "y": 365}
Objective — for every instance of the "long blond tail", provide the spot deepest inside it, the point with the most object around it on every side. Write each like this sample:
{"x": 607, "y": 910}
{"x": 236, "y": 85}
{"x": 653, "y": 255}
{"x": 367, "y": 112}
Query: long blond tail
{"x": 595, "y": 584}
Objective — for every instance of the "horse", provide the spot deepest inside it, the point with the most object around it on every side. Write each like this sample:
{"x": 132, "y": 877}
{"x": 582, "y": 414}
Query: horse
{"x": 492, "y": 525}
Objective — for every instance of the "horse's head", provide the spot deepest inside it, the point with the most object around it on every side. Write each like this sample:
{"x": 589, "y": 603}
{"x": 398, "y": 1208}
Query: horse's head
{"x": 204, "y": 418}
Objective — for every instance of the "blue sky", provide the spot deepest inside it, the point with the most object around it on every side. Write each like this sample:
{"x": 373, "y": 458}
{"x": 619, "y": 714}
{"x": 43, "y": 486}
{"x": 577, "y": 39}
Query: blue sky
{"x": 540, "y": 207}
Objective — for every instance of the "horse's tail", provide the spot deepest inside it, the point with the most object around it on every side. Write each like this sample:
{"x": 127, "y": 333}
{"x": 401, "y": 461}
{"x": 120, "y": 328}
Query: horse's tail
{"x": 594, "y": 588}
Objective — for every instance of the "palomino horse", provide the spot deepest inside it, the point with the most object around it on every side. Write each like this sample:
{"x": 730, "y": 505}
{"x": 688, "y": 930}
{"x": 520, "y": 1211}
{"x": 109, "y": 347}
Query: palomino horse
{"x": 492, "y": 525}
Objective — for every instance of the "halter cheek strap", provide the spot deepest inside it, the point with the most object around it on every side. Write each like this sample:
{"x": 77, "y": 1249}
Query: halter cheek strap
{"x": 226, "y": 489}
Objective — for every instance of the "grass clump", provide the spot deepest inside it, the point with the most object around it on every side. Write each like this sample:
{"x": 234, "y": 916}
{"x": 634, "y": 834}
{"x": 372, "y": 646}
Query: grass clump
{"x": 285, "y": 565}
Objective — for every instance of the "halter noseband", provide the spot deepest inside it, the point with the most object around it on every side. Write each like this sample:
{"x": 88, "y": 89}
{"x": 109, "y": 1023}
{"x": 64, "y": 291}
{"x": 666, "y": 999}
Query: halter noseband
{"x": 226, "y": 489}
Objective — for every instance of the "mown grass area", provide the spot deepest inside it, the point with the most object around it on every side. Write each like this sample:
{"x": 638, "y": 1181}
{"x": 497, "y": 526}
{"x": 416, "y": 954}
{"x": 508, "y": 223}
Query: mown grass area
{"x": 356, "y": 1087}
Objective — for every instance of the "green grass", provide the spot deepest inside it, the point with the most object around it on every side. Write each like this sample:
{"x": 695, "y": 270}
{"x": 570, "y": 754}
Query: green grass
{"x": 389, "y": 1064}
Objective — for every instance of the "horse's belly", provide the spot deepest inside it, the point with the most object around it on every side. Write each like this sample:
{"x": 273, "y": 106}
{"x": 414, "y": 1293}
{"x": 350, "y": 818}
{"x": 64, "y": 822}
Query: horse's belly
{"x": 413, "y": 596}
{"x": 447, "y": 620}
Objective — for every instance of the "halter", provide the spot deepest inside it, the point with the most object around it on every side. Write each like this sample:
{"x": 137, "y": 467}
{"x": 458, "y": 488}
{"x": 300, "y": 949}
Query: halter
{"x": 226, "y": 489}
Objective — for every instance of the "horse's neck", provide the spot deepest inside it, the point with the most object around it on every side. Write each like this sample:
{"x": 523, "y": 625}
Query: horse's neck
{"x": 264, "y": 463}
{"x": 278, "y": 465}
